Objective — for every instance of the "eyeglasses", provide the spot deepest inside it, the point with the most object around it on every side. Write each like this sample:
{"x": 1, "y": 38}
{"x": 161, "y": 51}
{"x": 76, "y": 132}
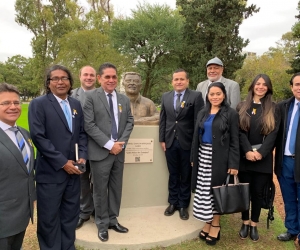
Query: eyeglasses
{"x": 112, "y": 77}
{"x": 8, "y": 104}
{"x": 56, "y": 79}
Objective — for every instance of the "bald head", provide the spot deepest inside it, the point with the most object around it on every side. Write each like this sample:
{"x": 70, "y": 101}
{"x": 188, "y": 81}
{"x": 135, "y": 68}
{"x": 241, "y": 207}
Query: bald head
{"x": 87, "y": 77}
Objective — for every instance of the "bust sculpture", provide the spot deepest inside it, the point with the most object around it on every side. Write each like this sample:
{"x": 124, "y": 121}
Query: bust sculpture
{"x": 143, "y": 109}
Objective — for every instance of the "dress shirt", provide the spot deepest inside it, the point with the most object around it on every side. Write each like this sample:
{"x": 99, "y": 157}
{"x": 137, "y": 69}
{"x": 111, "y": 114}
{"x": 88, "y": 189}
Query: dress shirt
{"x": 11, "y": 134}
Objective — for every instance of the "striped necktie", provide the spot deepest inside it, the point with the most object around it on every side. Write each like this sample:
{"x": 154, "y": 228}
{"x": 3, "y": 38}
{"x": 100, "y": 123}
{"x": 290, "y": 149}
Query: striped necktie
{"x": 21, "y": 144}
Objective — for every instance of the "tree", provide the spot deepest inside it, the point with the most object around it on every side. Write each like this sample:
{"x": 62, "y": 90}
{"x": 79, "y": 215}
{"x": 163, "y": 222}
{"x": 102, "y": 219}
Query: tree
{"x": 212, "y": 29}
{"x": 48, "y": 22}
{"x": 17, "y": 71}
{"x": 295, "y": 63}
{"x": 274, "y": 65}
{"x": 287, "y": 44}
{"x": 89, "y": 47}
{"x": 151, "y": 38}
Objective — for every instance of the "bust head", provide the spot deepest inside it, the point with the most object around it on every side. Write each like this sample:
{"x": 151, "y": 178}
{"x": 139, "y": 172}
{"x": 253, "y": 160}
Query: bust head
{"x": 132, "y": 83}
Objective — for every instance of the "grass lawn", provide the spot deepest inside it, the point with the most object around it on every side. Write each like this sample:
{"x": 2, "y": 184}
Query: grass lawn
{"x": 23, "y": 120}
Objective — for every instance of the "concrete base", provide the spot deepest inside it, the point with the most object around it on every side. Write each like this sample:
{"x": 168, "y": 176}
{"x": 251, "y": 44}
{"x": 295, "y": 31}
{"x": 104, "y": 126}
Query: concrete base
{"x": 148, "y": 228}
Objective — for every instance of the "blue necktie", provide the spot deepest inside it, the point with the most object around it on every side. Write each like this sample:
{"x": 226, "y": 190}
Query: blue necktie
{"x": 21, "y": 143}
{"x": 294, "y": 131}
{"x": 114, "y": 131}
{"x": 67, "y": 113}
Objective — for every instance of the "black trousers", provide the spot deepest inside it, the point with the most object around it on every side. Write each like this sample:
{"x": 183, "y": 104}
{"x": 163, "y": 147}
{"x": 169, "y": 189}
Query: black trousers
{"x": 257, "y": 182}
{"x": 180, "y": 170}
{"x": 13, "y": 242}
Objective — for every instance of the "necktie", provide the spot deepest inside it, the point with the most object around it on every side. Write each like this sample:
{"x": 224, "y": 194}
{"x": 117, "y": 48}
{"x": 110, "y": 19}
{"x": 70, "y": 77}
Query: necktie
{"x": 67, "y": 113}
{"x": 21, "y": 144}
{"x": 114, "y": 131}
{"x": 294, "y": 131}
{"x": 178, "y": 103}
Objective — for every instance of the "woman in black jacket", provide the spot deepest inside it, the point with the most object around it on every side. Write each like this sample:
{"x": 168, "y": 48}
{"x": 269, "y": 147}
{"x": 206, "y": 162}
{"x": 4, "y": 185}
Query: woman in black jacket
{"x": 215, "y": 152}
{"x": 258, "y": 130}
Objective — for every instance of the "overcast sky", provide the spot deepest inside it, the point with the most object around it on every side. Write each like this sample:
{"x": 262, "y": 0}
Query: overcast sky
{"x": 263, "y": 29}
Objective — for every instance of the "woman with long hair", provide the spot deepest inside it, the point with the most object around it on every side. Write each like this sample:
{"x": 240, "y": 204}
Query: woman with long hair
{"x": 215, "y": 153}
{"x": 258, "y": 130}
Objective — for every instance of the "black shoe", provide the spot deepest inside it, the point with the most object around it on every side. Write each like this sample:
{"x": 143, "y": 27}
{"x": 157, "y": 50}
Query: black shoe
{"x": 286, "y": 236}
{"x": 103, "y": 236}
{"x": 119, "y": 228}
{"x": 170, "y": 210}
{"x": 254, "y": 233}
{"x": 244, "y": 231}
{"x": 80, "y": 222}
{"x": 183, "y": 213}
{"x": 203, "y": 234}
{"x": 210, "y": 240}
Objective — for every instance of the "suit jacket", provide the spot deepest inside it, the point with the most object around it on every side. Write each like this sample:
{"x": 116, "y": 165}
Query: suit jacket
{"x": 223, "y": 156}
{"x": 16, "y": 185}
{"x": 98, "y": 123}
{"x": 285, "y": 117}
{"x": 53, "y": 139}
{"x": 265, "y": 165}
{"x": 232, "y": 91}
{"x": 183, "y": 124}
{"x": 78, "y": 94}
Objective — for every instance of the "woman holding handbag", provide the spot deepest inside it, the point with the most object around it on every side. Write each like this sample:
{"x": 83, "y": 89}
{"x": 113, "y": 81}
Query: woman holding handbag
{"x": 215, "y": 153}
{"x": 258, "y": 130}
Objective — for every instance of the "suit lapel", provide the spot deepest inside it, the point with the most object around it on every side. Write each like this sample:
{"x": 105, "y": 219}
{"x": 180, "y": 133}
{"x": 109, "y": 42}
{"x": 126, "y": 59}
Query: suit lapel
{"x": 73, "y": 112}
{"x": 120, "y": 106}
{"x": 103, "y": 99}
{"x": 9, "y": 144}
{"x": 58, "y": 109}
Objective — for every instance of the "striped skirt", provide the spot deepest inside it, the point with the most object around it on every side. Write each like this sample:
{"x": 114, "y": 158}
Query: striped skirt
{"x": 203, "y": 207}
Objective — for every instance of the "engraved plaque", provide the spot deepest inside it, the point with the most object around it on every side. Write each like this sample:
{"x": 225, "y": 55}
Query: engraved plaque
{"x": 139, "y": 150}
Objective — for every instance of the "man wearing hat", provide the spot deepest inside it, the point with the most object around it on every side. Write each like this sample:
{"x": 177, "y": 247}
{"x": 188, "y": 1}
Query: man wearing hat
{"x": 214, "y": 69}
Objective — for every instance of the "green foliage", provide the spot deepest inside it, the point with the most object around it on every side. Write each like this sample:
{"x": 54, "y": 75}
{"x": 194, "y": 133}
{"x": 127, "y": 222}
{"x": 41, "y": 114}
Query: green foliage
{"x": 212, "y": 29}
{"x": 152, "y": 39}
{"x": 88, "y": 47}
{"x": 295, "y": 63}
{"x": 18, "y": 71}
{"x": 274, "y": 65}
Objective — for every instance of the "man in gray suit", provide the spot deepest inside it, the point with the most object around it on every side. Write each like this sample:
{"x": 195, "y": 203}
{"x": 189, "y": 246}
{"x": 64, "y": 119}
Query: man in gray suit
{"x": 214, "y": 69}
{"x": 108, "y": 123}
{"x": 16, "y": 171}
{"x": 87, "y": 77}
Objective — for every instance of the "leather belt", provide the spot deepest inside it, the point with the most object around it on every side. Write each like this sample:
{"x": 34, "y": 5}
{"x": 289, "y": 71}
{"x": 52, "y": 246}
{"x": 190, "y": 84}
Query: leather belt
{"x": 292, "y": 156}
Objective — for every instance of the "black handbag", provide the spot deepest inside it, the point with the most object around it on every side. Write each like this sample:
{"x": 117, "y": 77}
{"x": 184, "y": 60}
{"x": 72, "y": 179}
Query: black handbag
{"x": 231, "y": 198}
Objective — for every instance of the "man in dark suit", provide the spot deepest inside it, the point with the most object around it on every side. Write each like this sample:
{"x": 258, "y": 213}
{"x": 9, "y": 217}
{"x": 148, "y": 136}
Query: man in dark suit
{"x": 287, "y": 159}
{"x": 56, "y": 125}
{"x": 108, "y": 123}
{"x": 178, "y": 114}
{"x": 87, "y": 77}
{"x": 16, "y": 171}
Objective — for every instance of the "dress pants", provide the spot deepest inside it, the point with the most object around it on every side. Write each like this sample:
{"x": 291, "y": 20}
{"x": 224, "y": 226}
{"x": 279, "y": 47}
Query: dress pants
{"x": 257, "y": 181}
{"x": 291, "y": 195}
{"x": 58, "y": 206}
{"x": 180, "y": 170}
{"x": 107, "y": 178}
{"x": 86, "y": 198}
{"x": 13, "y": 242}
